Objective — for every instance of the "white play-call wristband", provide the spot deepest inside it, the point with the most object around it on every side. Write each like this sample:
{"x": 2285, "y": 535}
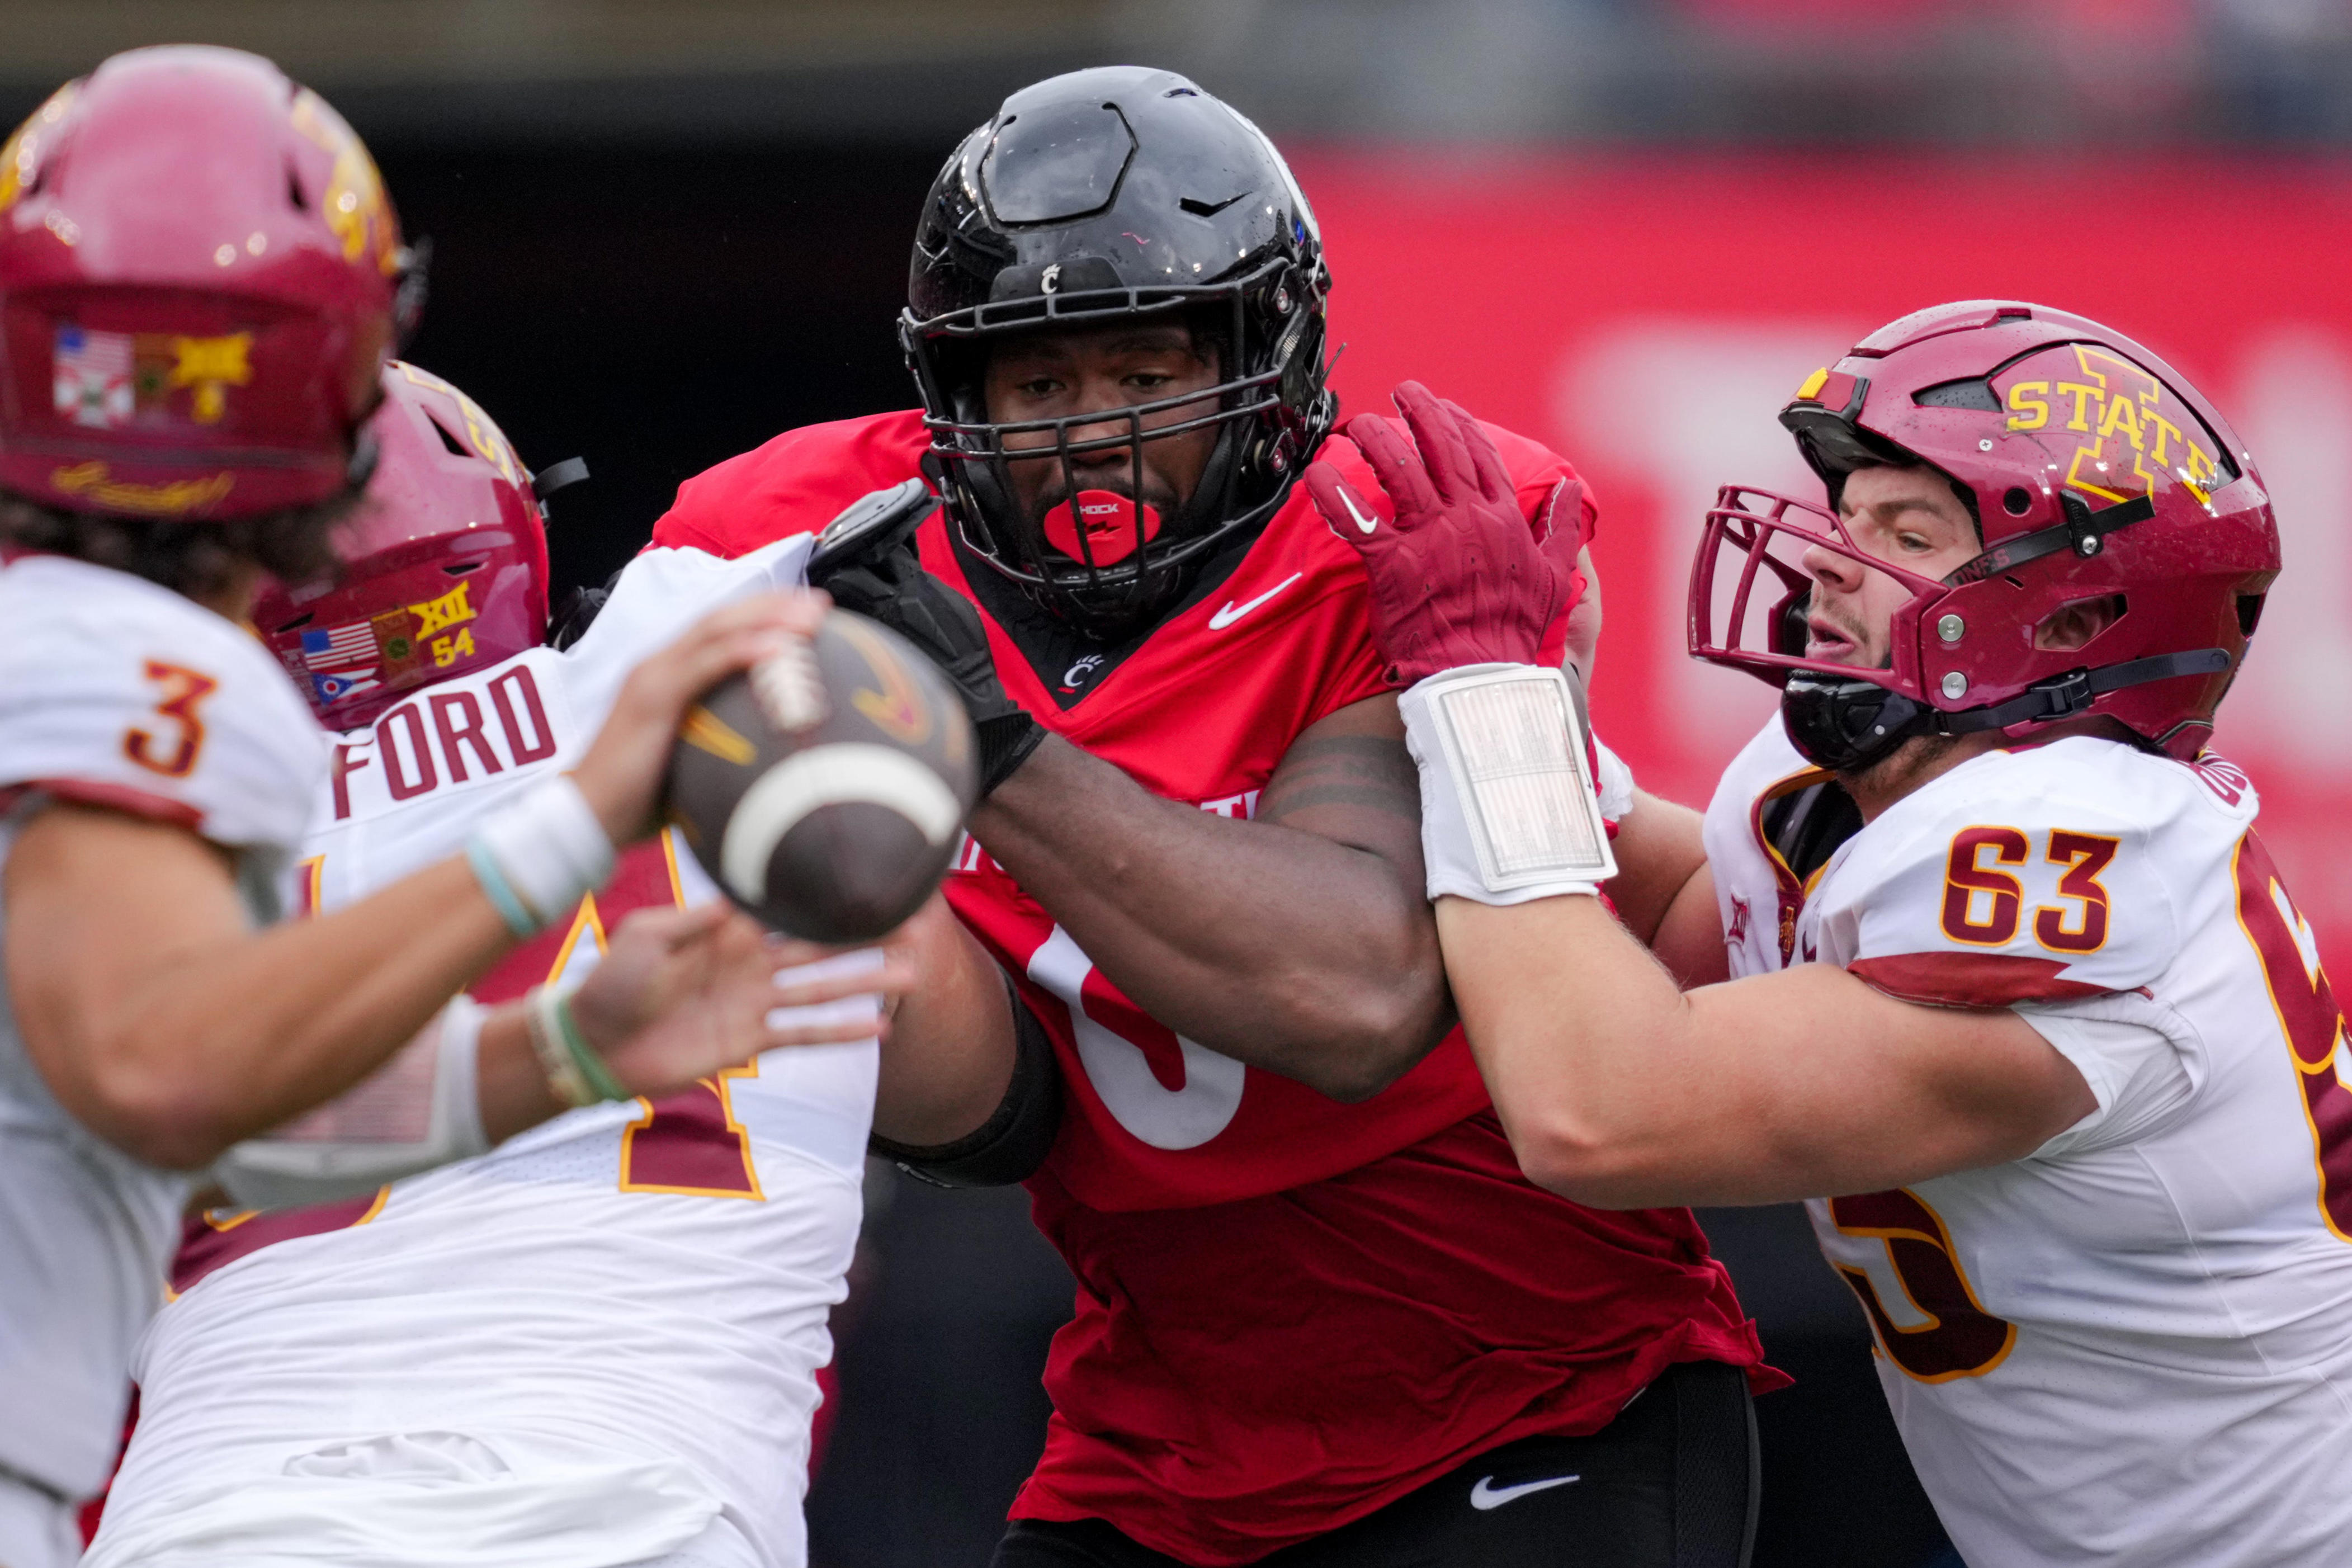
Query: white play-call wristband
{"x": 551, "y": 848}
{"x": 1509, "y": 811}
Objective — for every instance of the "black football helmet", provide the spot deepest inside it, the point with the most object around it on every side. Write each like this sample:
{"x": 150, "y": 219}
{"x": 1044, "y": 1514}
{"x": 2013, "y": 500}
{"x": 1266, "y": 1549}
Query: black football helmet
{"x": 1116, "y": 193}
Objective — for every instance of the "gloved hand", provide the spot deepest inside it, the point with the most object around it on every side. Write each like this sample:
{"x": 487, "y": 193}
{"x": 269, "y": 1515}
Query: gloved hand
{"x": 1460, "y": 577}
{"x": 866, "y": 559}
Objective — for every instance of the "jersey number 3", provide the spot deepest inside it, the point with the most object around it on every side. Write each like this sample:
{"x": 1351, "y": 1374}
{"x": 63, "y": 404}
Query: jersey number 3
{"x": 172, "y": 752}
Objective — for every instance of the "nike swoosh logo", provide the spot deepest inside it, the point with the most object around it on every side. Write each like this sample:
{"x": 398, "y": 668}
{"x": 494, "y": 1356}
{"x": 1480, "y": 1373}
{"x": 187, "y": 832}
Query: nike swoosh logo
{"x": 1348, "y": 499}
{"x": 1233, "y": 612}
{"x": 1486, "y": 1494}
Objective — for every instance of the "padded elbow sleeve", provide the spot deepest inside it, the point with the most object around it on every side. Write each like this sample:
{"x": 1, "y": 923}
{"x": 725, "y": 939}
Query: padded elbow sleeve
{"x": 1014, "y": 1142}
{"x": 418, "y": 1110}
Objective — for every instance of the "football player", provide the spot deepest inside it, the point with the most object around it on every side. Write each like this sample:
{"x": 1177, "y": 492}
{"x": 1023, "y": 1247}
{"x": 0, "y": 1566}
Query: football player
{"x": 2019, "y": 979}
{"x": 1319, "y": 1311}
{"x": 199, "y": 280}
{"x": 597, "y": 1344}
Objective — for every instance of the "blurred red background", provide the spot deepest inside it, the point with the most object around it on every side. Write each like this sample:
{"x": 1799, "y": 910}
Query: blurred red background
{"x": 1648, "y": 315}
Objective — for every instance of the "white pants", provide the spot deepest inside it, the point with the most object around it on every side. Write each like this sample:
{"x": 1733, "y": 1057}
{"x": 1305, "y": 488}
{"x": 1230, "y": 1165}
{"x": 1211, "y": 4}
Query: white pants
{"x": 36, "y": 1529}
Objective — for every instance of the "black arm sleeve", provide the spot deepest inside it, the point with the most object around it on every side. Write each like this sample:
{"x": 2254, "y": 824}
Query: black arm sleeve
{"x": 1014, "y": 1142}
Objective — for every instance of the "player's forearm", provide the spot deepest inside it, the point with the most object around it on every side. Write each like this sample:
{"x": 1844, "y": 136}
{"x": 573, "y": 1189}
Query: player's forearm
{"x": 949, "y": 1052}
{"x": 1578, "y": 1032}
{"x": 1619, "y": 1091}
{"x": 238, "y": 1040}
{"x": 165, "y": 1025}
{"x": 1277, "y": 946}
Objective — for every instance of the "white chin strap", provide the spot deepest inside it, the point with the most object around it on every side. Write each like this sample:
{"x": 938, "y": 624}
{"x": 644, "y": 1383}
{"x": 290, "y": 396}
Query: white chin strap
{"x": 1510, "y": 810}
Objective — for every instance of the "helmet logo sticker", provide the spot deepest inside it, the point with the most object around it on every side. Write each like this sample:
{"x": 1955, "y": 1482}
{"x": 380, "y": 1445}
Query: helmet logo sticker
{"x": 104, "y": 379}
{"x": 354, "y": 204}
{"x": 93, "y": 481}
{"x": 342, "y": 660}
{"x": 211, "y": 365}
{"x": 434, "y": 615}
{"x": 481, "y": 434}
{"x": 92, "y": 377}
{"x": 1107, "y": 520}
{"x": 2118, "y": 411}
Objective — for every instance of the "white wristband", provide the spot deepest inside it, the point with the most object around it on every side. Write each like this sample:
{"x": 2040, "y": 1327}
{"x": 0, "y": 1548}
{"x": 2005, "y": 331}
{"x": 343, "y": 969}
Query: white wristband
{"x": 550, "y": 847}
{"x": 1509, "y": 812}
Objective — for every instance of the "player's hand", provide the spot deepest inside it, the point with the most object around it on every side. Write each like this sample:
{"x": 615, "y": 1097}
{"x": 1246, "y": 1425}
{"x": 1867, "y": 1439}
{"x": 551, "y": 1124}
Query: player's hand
{"x": 880, "y": 576}
{"x": 1458, "y": 576}
{"x": 621, "y": 773}
{"x": 683, "y": 994}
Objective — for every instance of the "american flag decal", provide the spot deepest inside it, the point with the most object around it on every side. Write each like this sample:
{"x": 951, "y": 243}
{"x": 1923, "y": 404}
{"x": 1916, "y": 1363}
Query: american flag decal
{"x": 341, "y": 647}
{"x": 92, "y": 381}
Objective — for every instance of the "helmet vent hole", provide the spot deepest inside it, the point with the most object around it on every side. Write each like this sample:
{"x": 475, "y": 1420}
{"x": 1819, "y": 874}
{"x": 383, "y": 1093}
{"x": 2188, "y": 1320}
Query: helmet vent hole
{"x": 1967, "y": 393}
{"x": 1180, "y": 93}
{"x": 2017, "y": 500}
{"x": 456, "y": 448}
{"x": 296, "y": 625}
{"x": 460, "y": 568}
{"x": 2250, "y": 614}
{"x": 294, "y": 196}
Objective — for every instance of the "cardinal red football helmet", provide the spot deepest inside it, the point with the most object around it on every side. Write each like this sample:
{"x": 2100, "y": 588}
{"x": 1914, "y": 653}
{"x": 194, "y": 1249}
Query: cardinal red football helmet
{"x": 444, "y": 564}
{"x": 201, "y": 279}
{"x": 2092, "y": 470}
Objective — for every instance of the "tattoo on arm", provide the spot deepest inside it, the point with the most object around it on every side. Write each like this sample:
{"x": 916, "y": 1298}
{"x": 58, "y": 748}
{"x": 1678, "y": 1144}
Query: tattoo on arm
{"x": 1366, "y": 771}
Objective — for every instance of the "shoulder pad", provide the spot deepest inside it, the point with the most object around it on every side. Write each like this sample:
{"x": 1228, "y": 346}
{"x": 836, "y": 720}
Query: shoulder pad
{"x": 117, "y": 692}
{"x": 2053, "y": 873}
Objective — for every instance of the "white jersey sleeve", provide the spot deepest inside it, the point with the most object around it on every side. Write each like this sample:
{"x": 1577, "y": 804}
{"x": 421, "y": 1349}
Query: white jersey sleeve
{"x": 2037, "y": 878}
{"x": 2054, "y": 881}
{"x": 121, "y": 693}
{"x": 660, "y": 594}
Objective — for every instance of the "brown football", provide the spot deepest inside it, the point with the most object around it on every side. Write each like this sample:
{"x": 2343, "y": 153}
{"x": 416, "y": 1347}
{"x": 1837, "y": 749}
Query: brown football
{"x": 824, "y": 790}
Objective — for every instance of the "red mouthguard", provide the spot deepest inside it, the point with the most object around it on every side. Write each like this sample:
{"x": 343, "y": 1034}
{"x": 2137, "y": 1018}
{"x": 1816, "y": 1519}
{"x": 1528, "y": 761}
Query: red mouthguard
{"x": 1108, "y": 518}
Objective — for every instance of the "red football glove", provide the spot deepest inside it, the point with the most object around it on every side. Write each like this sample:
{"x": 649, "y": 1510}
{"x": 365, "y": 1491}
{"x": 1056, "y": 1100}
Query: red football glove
{"x": 1460, "y": 577}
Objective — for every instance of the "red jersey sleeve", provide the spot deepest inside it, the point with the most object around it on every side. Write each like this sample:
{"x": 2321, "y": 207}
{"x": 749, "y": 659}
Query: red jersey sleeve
{"x": 1538, "y": 471}
{"x": 797, "y": 483}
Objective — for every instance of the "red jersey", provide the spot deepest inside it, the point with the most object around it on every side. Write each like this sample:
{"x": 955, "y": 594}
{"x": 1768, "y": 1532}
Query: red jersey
{"x": 1290, "y": 1310}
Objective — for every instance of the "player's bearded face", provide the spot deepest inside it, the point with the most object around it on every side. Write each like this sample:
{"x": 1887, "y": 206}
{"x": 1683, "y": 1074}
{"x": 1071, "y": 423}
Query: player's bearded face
{"x": 1907, "y": 516}
{"x": 1054, "y": 375}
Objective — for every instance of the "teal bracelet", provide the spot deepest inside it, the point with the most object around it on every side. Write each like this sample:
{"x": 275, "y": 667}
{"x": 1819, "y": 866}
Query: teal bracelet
{"x": 583, "y": 1056}
{"x": 497, "y": 890}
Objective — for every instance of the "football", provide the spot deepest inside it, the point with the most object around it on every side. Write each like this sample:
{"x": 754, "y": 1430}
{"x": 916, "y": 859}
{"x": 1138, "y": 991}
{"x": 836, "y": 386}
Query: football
{"x": 824, "y": 789}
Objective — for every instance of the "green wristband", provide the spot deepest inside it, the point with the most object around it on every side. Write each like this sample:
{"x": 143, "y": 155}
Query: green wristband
{"x": 583, "y": 1056}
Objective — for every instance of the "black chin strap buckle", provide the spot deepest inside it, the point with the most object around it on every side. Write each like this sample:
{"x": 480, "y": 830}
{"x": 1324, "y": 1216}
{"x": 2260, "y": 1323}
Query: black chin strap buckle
{"x": 2066, "y": 696}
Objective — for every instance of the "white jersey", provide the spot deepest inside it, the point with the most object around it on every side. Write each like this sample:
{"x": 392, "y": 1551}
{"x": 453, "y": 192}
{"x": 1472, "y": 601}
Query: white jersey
{"x": 117, "y": 692}
{"x": 597, "y": 1342}
{"x": 2134, "y": 1346}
